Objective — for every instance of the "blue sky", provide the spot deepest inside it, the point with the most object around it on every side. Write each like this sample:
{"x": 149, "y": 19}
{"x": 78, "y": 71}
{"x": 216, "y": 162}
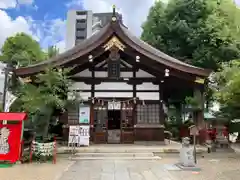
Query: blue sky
{"x": 45, "y": 20}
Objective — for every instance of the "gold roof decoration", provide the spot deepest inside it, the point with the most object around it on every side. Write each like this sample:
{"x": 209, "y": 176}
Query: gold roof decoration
{"x": 199, "y": 80}
{"x": 27, "y": 80}
{"x": 114, "y": 42}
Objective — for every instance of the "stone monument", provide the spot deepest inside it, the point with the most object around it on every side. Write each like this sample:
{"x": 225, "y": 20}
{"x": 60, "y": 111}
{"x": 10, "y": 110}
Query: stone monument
{"x": 186, "y": 156}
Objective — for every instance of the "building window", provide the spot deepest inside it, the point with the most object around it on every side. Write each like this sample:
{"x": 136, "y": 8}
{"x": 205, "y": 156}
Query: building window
{"x": 113, "y": 69}
{"x": 81, "y": 13}
{"x": 148, "y": 114}
{"x": 80, "y": 37}
{"x": 81, "y": 20}
{"x": 80, "y": 29}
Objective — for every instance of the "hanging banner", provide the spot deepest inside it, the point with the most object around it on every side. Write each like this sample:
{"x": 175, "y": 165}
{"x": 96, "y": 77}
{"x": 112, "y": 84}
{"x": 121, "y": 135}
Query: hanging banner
{"x": 84, "y": 114}
{"x": 114, "y": 105}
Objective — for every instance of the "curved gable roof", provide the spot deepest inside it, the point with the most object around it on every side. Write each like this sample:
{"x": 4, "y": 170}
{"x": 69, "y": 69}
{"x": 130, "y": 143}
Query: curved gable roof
{"x": 96, "y": 40}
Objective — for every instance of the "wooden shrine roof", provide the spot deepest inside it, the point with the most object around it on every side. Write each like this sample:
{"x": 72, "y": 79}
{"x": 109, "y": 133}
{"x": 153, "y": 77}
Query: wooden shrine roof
{"x": 87, "y": 47}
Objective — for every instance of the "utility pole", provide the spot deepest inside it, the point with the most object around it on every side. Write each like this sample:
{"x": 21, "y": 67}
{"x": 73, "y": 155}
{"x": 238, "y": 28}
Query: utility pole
{"x": 5, "y": 87}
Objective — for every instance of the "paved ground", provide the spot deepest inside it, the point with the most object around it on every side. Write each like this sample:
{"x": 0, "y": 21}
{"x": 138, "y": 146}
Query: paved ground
{"x": 214, "y": 167}
{"x": 45, "y": 171}
{"x": 219, "y": 166}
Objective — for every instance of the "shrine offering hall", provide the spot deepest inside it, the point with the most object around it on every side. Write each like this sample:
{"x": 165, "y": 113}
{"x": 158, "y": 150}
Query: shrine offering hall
{"x": 124, "y": 83}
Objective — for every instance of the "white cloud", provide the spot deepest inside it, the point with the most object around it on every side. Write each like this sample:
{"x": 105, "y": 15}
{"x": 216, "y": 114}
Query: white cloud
{"x": 29, "y": 2}
{"x": 52, "y": 32}
{"x": 134, "y": 11}
{"x": 5, "y": 4}
{"x": 61, "y": 46}
{"x": 48, "y": 32}
{"x": 12, "y": 26}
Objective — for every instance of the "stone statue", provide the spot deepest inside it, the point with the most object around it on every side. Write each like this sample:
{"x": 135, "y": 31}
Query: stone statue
{"x": 186, "y": 153}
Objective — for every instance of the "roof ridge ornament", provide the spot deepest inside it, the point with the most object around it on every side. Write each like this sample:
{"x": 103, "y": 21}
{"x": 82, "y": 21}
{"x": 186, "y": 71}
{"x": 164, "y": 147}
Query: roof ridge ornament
{"x": 114, "y": 17}
{"x": 114, "y": 42}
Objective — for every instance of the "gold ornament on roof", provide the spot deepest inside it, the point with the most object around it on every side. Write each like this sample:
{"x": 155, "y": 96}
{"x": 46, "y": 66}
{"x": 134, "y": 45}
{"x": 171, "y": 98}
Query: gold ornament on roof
{"x": 27, "y": 80}
{"x": 199, "y": 80}
{"x": 114, "y": 42}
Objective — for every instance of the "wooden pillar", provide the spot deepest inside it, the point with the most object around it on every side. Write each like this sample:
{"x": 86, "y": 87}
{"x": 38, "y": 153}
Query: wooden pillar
{"x": 134, "y": 96}
{"x": 178, "y": 111}
{"x": 161, "y": 111}
{"x": 199, "y": 115}
{"x": 92, "y": 106}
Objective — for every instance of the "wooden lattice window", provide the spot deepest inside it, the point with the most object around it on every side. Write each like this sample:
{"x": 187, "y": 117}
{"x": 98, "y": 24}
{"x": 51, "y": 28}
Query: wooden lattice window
{"x": 148, "y": 114}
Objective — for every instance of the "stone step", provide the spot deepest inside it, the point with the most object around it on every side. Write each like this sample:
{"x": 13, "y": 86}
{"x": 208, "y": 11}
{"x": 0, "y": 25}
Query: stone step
{"x": 116, "y": 158}
{"x": 126, "y": 150}
{"x": 111, "y": 154}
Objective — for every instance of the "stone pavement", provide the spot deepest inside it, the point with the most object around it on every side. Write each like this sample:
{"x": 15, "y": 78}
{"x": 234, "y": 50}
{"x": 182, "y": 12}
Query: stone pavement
{"x": 214, "y": 167}
{"x": 117, "y": 170}
{"x": 44, "y": 171}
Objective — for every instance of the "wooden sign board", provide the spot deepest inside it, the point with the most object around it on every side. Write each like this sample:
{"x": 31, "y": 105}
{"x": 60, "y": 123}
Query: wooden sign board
{"x": 194, "y": 130}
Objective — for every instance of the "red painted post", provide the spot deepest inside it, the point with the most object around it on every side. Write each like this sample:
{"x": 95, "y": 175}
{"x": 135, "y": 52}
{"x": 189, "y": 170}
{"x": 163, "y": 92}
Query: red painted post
{"x": 55, "y": 151}
{"x": 31, "y": 151}
{"x": 21, "y": 152}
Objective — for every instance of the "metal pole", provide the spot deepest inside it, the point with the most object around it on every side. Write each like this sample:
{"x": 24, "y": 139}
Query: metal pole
{"x": 194, "y": 149}
{"x": 5, "y": 86}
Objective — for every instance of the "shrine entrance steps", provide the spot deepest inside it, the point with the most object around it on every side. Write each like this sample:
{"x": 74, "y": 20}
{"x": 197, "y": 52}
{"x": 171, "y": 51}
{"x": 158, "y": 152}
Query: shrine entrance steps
{"x": 173, "y": 147}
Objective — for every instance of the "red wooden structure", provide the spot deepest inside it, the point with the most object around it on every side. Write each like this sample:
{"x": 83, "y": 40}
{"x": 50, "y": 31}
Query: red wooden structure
{"x": 11, "y": 136}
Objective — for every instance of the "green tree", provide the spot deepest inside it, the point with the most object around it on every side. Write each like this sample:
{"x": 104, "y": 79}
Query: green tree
{"x": 200, "y": 32}
{"x": 226, "y": 85}
{"x": 44, "y": 96}
{"x": 21, "y": 49}
{"x": 52, "y": 52}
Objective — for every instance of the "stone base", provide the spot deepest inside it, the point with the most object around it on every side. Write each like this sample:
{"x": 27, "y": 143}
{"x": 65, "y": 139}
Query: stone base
{"x": 185, "y": 168}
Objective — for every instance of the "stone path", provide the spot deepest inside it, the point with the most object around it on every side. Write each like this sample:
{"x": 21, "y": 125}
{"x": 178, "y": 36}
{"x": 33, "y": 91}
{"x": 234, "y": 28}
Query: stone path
{"x": 117, "y": 170}
{"x": 218, "y": 166}
{"x": 214, "y": 167}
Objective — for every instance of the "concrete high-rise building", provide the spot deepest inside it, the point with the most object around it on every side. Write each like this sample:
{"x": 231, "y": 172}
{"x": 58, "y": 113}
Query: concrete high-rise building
{"x": 83, "y": 24}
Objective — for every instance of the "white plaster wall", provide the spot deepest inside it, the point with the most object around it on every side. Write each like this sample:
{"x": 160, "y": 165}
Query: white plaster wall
{"x": 85, "y": 95}
{"x": 80, "y": 85}
{"x": 114, "y": 94}
{"x": 113, "y": 86}
{"x": 126, "y": 74}
{"x": 148, "y": 95}
{"x": 147, "y": 86}
{"x": 142, "y": 73}
{"x": 84, "y": 73}
{"x": 101, "y": 74}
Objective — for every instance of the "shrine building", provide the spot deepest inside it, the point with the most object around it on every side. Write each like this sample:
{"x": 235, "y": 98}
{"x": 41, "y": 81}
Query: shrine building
{"x": 127, "y": 83}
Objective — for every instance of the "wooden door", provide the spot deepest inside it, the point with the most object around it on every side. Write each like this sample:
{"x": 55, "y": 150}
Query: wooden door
{"x": 127, "y": 124}
{"x": 100, "y": 124}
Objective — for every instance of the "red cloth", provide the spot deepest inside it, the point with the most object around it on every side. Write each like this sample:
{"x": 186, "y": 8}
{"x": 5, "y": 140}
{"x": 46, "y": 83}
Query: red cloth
{"x": 225, "y": 131}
